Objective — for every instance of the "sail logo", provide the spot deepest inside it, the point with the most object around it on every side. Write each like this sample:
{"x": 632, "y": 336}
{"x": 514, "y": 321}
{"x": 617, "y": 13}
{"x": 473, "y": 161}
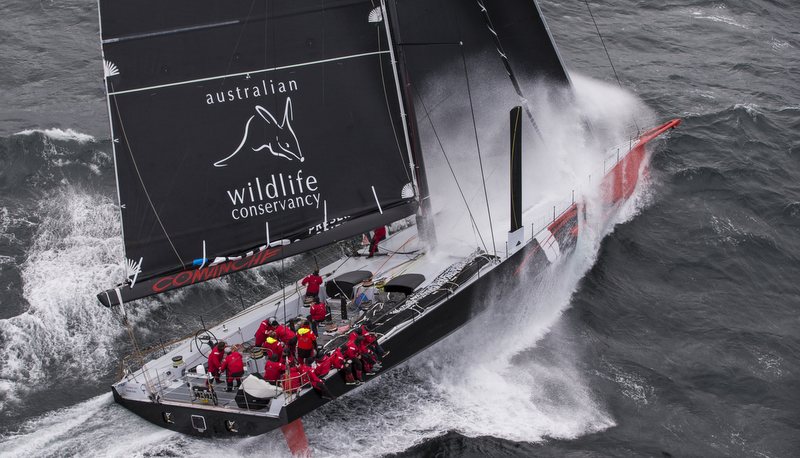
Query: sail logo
{"x": 274, "y": 194}
{"x": 281, "y": 140}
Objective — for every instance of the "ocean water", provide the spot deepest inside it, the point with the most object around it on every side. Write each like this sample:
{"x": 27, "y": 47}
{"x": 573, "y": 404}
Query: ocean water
{"x": 671, "y": 333}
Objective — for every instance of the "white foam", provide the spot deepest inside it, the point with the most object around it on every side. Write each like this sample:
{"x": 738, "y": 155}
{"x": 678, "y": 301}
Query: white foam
{"x": 64, "y": 331}
{"x": 60, "y": 134}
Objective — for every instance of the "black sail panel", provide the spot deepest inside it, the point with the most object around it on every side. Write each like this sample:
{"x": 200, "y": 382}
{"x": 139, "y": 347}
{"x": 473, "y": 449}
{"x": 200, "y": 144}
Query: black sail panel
{"x": 236, "y": 124}
{"x": 433, "y": 34}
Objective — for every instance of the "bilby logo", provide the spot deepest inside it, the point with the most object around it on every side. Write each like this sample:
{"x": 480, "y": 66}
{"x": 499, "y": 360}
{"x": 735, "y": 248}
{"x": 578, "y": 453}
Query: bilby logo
{"x": 281, "y": 141}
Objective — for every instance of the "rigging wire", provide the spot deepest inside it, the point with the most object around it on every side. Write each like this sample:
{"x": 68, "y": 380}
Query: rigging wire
{"x": 603, "y": 42}
{"x": 478, "y": 146}
{"x": 455, "y": 178}
{"x": 141, "y": 180}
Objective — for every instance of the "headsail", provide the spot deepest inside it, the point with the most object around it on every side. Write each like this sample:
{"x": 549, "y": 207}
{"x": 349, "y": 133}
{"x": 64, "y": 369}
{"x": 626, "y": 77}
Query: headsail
{"x": 509, "y": 34}
{"x": 240, "y": 124}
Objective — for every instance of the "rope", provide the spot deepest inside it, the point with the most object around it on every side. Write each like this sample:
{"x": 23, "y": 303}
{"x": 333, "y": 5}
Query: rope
{"x": 458, "y": 185}
{"x": 478, "y": 146}
{"x": 603, "y": 42}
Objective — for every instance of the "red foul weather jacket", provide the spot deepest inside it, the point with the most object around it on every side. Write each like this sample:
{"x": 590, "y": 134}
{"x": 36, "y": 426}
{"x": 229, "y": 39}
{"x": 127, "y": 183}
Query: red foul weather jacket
{"x": 233, "y": 363}
{"x": 312, "y": 283}
{"x": 318, "y": 311}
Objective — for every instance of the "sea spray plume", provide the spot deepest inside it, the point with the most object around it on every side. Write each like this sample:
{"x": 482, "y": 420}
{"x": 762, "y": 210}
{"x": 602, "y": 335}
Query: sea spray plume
{"x": 492, "y": 377}
{"x": 64, "y": 336}
{"x": 110, "y": 430}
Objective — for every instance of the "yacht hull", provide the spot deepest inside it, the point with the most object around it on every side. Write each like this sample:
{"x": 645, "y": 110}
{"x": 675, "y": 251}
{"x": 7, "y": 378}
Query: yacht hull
{"x": 442, "y": 318}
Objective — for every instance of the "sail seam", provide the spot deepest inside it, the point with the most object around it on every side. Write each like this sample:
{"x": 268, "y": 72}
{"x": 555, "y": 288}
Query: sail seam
{"x": 264, "y": 70}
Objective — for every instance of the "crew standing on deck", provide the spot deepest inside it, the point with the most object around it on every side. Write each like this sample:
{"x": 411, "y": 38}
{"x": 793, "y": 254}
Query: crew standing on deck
{"x": 306, "y": 342}
{"x": 312, "y": 282}
{"x": 215, "y": 360}
{"x": 318, "y": 312}
{"x": 377, "y": 236}
{"x": 233, "y": 367}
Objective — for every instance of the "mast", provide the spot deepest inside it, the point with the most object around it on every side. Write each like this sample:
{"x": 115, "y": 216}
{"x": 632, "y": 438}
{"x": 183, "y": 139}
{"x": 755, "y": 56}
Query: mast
{"x": 425, "y": 225}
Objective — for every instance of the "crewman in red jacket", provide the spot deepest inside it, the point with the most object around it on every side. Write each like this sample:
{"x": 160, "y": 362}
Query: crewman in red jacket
{"x": 317, "y": 383}
{"x": 367, "y": 358}
{"x": 312, "y": 282}
{"x": 323, "y": 366}
{"x": 233, "y": 367}
{"x": 274, "y": 369}
{"x": 215, "y": 360}
{"x": 292, "y": 383}
{"x": 372, "y": 343}
{"x": 306, "y": 343}
{"x": 272, "y": 345}
{"x": 318, "y": 312}
{"x": 377, "y": 236}
{"x": 286, "y": 335}
{"x": 264, "y": 329}
{"x": 338, "y": 361}
{"x": 350, "y": 352}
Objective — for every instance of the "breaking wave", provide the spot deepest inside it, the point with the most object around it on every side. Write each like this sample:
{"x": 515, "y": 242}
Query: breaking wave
{"x": 60, "y": 134}
{"x": 63, "y": 336}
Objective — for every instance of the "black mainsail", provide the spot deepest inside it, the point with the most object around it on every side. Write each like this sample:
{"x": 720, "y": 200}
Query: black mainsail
{"x": 244, "y": 132}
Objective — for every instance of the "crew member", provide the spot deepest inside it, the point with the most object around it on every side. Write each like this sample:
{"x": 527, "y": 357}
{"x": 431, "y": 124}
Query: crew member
{"x": 338, "y": 361}
{"x": 323, "y": 366}
{"x": 286, "y": 335}
{"x": 318, "y": 312}
{"x": 372, "y": 343}
{"x": 272, "y": 345}
{"x": 274, "y": 368}
{"x": 306, "y": 343}
{"x": 291, "y": 381}
{"x": 264, "y": 329}
{"x": 233, "y": 367}
{"x": 215, "y": 360}
{"x": 312, "y": 283}
{"x": 317, "y": 383}
{"x": 377, "y": 236}
{"x": 350, "y": 352}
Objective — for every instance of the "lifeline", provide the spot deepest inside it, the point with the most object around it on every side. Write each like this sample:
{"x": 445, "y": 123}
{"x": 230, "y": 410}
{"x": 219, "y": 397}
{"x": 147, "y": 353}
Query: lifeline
{"x": 242, "y": 93}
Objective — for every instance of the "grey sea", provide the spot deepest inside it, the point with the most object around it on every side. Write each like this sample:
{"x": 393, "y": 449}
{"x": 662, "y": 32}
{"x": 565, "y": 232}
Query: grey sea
{"x": 677, "y": 334}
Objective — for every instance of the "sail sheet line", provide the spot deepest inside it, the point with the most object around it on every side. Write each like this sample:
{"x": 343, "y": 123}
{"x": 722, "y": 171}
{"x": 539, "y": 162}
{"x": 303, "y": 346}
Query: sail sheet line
{"x": 253, "y": 72}
{"x": 141, "y": 180}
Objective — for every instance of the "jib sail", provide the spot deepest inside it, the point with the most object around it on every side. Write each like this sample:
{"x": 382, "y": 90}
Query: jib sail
{"x": 248, "y": 131}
